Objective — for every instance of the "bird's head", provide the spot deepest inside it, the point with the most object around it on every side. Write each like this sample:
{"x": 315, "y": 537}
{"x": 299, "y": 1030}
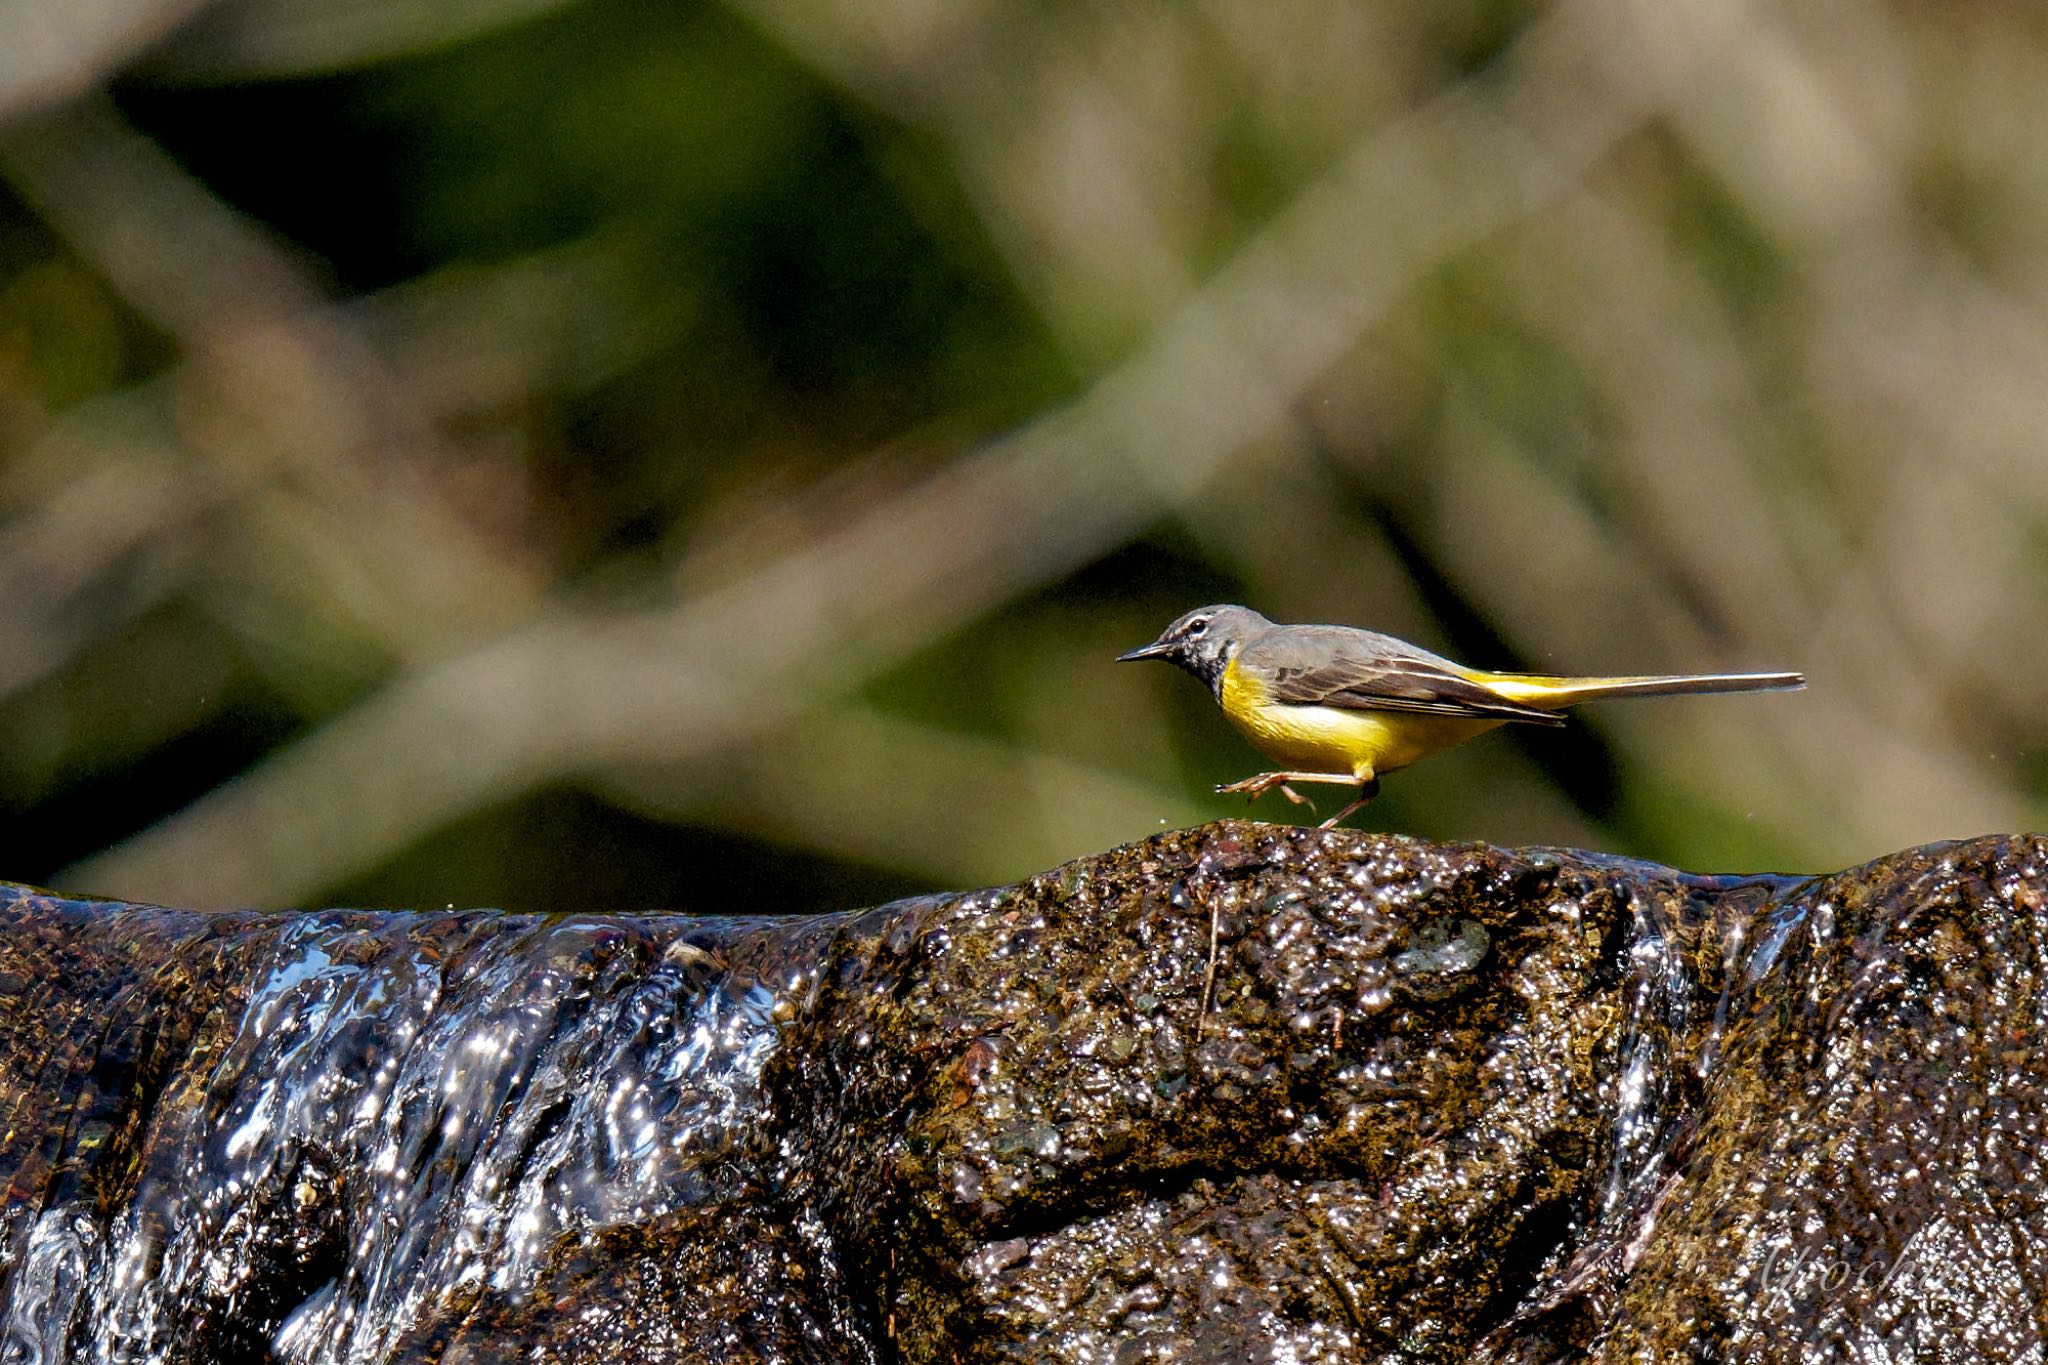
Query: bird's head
{"x": 1204, "y": 641}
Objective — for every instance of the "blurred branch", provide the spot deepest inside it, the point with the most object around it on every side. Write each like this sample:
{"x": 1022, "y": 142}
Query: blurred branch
{"x": 50, "y": 53}
{"x": 181, "y": 257}
{"x": 270, "y": 39}
{"x": 1917, "y": 350}
{"x": 89, "y": 559}
{"x": 1914, "y": 349}
{"x": 114, "y": 493}
{"x": 568, "y": 696}
{"x": 293, "y": 404}
{"x": 1819, "y": 769}
{"x": 888, "y": 792}
{"x": 1726, "y": 506}
{"x": 1075, "y": 175}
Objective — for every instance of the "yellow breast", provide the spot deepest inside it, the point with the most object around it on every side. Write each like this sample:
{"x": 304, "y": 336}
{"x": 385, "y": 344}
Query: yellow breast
{"x": 1327, "y": 739}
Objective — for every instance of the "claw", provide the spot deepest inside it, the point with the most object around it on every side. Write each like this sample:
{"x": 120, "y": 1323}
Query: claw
{"x": 1254, "y": 787}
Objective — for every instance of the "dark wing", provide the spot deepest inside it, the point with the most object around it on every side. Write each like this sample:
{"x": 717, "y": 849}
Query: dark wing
{"x": 1356, "y": 670}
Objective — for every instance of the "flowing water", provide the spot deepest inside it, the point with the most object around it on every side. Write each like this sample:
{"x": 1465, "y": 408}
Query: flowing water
{"x": 490, "y": 1084}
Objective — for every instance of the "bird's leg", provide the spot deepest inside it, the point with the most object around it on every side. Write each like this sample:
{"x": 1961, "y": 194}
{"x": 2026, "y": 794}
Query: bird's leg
{"x": 1256, "y": 787}
{"x": 1368, "y": 788}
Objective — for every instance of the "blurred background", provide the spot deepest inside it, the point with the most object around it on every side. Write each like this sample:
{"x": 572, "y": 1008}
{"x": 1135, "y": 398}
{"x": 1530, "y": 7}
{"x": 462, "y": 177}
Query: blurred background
{"x": 570, "y": 454}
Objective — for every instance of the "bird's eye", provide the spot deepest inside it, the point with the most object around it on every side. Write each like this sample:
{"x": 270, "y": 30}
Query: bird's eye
{"x": 1197, "y": 626}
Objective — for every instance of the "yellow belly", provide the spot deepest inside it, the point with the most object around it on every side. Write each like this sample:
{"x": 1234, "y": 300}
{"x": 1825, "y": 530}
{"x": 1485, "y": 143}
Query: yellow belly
{"x": 1326, "y": 739}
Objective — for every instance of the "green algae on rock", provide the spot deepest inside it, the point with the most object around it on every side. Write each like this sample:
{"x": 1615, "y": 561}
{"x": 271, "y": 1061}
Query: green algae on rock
{"x": 1434, "y": 1103}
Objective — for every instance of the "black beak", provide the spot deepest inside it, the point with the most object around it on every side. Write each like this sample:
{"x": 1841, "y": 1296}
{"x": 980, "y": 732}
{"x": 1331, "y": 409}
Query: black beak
{"x": 1158, "y": 649}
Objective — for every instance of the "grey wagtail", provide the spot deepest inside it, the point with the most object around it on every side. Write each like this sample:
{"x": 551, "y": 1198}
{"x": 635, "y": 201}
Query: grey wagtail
{"x": 1340, "y": 705}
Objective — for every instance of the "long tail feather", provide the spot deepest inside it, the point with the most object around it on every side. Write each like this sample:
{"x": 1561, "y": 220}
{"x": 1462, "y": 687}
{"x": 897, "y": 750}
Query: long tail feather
{"x": 1546, "y": 692}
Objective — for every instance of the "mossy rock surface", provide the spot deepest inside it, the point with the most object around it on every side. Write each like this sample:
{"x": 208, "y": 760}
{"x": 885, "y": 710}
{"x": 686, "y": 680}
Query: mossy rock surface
{"x": 1237, "y": 1093}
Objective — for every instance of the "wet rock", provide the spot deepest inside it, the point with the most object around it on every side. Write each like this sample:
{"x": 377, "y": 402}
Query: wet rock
{"x": 1420, "y": 1103}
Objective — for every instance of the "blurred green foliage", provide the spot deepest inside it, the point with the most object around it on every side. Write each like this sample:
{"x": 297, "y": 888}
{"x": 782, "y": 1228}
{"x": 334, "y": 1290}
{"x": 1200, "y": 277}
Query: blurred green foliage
{"x": 342, "y": 374}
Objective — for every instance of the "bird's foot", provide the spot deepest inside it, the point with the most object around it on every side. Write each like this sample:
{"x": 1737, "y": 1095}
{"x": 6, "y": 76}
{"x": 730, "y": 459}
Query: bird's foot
{"x": 1256, "y": 787}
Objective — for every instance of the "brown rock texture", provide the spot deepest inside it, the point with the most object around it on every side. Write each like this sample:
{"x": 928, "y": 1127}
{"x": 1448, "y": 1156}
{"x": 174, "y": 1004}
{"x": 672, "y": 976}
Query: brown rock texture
{"x": 1236, "y": 1093}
